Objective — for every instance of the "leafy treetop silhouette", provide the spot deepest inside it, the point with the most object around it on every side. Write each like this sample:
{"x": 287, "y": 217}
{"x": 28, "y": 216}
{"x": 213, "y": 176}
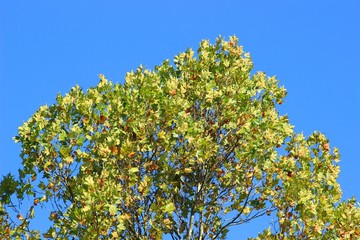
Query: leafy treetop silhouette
{"x": 186, "y": 150}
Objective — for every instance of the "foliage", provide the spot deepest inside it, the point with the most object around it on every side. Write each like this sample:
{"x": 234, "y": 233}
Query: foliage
{"x": 188, "y": 150}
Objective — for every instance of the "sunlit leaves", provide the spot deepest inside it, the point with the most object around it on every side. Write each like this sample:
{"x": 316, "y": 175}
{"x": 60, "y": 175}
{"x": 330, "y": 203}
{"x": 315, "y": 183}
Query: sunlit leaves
{"x": 169, "y": 208}
{"x": 187, "y": 149}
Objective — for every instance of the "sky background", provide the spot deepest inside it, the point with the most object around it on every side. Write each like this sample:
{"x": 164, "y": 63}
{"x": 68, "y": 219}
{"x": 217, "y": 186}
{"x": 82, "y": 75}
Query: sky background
{"x": 313, "y": 47}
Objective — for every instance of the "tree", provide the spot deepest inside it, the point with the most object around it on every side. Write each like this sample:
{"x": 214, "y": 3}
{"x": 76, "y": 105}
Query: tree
{"x": 186, "y": 150}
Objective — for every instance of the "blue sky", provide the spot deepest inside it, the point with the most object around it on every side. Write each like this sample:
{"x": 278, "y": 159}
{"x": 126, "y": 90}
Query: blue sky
{"x": 313, "y": 47}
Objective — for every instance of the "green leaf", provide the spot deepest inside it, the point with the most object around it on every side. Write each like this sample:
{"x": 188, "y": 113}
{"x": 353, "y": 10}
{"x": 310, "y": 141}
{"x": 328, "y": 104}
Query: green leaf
{"x": 80, "y": 140}
{"x": 8, "y": 187}
{"x": 16, "y": 139}
{"x": 169, "y": 208}
{"x": 32, "y": 212}
{"x": 113, "y": 209}
{"x": 62, "y": 135}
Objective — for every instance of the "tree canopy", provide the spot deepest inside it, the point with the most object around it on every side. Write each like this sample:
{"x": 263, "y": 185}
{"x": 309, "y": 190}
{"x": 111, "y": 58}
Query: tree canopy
{"x": 186, "y": 150}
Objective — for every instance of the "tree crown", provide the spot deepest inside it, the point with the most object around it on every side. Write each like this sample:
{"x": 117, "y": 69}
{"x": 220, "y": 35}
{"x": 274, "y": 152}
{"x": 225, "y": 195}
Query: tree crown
{"x": 187, "y": 150}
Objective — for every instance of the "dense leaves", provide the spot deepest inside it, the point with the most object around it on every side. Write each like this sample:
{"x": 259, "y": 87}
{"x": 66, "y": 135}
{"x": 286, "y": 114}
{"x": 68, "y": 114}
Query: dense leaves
{"x": 186, "y": 150}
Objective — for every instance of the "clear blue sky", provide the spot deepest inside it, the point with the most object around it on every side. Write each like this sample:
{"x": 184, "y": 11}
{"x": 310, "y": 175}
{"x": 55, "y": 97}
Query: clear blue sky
{"x": 313, "y": 47}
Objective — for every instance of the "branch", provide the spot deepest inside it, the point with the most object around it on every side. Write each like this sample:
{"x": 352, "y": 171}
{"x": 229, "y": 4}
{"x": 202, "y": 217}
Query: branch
{"x": 237, "y": 216}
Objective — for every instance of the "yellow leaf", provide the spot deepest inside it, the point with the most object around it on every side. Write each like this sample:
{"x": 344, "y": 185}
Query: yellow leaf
{"x": 246, "y": 210}
{"x": 187, "y": 170}
{"x": 69, "y": 160}
{"x": 134, "y": 170}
